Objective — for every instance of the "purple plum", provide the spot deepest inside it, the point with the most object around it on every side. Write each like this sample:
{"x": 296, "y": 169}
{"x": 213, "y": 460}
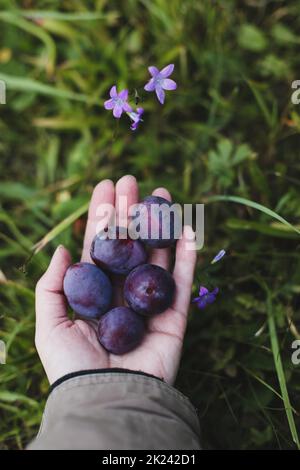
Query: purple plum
{"x": 117, "y": 255}
{"x": 149, "y": 289}
{"x": 88, "y": 290}
{"x": 120, "y": 330}
{"x": 157, "y": 222}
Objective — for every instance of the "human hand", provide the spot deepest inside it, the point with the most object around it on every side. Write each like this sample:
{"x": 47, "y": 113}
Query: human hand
{"x": 67, "y": 346}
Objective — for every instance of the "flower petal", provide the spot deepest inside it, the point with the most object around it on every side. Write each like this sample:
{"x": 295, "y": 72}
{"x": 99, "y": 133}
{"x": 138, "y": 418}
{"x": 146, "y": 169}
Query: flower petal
{"x": 202, "y": 303}
{"x": 133, "y": 115}
{"x": 166, "y": 71}
{"x": 169, "y": 84}
{"x": 210, "y": 298}
{"x": 140, "y": 111}
{"x": 160, "y": 94}
{"x": 123, "y": 95}
{"x": 126, "y": 107}
{"x": 109, "y": 104}
{"x": 113, "y": 92}
{"x": 202, "y": 291}
{"x": 117, "y": 112}
{"x": 153, "y": 70}
{"x": 150, "y": 86}
{"x": 218, "y": 256}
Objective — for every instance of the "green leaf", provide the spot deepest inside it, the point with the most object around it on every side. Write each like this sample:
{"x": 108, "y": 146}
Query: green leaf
{"x": 251, "y": 38}
{"x": 222, "y": 160}
{"x": 271, "y": 65}
{"x": 284, "y": 35}
{"x": 241, "y": 153}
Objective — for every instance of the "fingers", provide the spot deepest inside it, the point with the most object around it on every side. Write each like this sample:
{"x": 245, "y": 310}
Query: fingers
{"x": 173, "y": 320}
{"x": 50, "y": 301}
{"x": 127, "y": 194}
{"x": 100, "y": 212}
{"x": 183, "y": 274}
{"x": 161, "y": 256}
{"x": 105, "y": 197}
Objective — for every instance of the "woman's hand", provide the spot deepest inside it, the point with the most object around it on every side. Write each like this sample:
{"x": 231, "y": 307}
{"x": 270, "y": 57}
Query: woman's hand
{"x": 66, "y": 346}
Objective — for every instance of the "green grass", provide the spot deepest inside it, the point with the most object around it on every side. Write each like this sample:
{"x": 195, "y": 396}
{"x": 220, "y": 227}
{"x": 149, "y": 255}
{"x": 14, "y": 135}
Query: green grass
{"x": 280, "y": 373}
{"x": 229, "y": 137}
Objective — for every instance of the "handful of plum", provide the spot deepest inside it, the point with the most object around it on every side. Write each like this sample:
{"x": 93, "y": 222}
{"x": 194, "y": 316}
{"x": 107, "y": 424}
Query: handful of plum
{"x": 148, "y": 289}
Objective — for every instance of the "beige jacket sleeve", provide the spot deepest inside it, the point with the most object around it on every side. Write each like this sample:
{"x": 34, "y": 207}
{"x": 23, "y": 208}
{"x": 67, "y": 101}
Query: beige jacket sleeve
{"x": 117, "y": 410}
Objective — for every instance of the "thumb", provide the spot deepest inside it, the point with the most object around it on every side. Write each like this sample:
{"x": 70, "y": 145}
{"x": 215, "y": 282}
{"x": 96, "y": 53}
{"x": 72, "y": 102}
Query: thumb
{"x": 50, "y": 300}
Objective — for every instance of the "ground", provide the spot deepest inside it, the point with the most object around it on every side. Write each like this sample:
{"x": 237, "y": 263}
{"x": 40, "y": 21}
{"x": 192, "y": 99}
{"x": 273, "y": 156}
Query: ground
{"x": 230, "y": 129}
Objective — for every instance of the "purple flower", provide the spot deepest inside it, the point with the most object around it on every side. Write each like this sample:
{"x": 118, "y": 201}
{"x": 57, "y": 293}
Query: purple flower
{"x": 218, "y": 256}
{"x": 118, "y": 102}
{"x": 159, "y": 81}
{"x": 205, "y": 297}
{"x": 136, "y": 117}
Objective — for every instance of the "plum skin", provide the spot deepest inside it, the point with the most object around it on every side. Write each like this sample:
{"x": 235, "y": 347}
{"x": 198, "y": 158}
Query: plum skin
{"x": 120, "y": 330}
{"x": 149, "y": 289}
{"x": 87, "y": 289}
{"x": 118, "y": 256}
{"x": 157, "y": 222}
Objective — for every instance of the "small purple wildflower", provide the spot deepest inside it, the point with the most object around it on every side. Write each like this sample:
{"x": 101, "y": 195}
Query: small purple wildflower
{"x": 205, "y": 297}
{"x": 218, "y": 256}
{"x": 118, "y": 102}
{"x": 159, "y": 81}
{"x": 136, "y": 117}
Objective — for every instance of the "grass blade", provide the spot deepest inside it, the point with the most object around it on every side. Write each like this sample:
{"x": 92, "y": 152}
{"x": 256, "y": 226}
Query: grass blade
{"x": 254, "y": 205}
{"x": 30, "y": 85}
{"x": 280, "y": 372}
{"x": 60, "y": 228}
{"x": 261, "y": 102}
{"x": 36, "y": 31}
{"x": 278, "y": 230}
{"x": 268, "y": 386}
{"x": 67, "y": 16}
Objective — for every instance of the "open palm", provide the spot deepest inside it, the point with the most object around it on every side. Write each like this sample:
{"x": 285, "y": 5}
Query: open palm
{"x": 67, "y": 346}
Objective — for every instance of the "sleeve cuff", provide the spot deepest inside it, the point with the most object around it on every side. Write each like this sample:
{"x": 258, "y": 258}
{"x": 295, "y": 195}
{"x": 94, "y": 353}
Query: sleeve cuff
{"x": 99, "y": 371}
{"x": 117, "y": 410}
